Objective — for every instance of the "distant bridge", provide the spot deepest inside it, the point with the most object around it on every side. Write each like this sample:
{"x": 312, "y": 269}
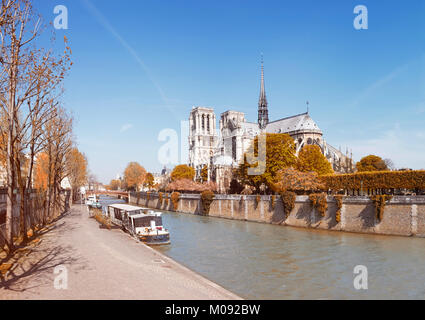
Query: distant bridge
{"x": 118, "y": 194}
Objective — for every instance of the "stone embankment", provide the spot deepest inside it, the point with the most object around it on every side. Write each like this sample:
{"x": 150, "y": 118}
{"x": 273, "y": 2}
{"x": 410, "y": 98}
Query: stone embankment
{"x": 403, "y": 215}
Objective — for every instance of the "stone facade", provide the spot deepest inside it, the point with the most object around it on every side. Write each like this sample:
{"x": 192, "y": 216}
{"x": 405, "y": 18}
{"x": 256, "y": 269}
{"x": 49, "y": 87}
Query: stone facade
{"x": 221, "y": 151}
{"x": 403, "y": 216}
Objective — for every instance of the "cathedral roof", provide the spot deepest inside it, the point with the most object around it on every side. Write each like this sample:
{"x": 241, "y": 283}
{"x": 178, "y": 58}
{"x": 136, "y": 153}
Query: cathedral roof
{"x": 300, "y": 122}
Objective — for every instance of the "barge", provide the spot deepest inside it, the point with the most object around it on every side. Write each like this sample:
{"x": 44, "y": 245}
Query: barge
{"x": 142, "y": 223}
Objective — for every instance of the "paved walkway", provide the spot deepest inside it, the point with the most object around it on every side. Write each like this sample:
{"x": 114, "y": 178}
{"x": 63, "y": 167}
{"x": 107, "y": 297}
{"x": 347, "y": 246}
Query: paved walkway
{"x": 102, "y": 264}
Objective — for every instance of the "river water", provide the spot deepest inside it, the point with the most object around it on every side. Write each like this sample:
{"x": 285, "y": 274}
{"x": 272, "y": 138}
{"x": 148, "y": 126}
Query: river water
{"x": 261, "y": 261}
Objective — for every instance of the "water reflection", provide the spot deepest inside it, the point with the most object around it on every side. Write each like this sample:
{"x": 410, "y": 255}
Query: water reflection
{"x": 260, "y": 261}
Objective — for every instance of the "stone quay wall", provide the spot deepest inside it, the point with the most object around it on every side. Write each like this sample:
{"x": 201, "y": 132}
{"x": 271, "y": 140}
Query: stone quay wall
{"x": 403, "y": 215}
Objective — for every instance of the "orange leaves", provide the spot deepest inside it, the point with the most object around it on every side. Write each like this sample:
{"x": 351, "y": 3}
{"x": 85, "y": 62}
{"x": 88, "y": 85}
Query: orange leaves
{"x": 320, "y": 202}
{"x": 311, "y": 159}
{"x": 149, "y": 180}
{"x": 41, "y": 172}
{"x": 134, "y": 175}
{"x": 207, "y": 198}
{"x": 182, "y": 172}
{"x": 175, "y": 197}
{"x": 186, "y": 185}
{"x": 294, "y": 180}
{"x": 114, "y": 185}
{"x": 376, "y": 180}
{"x": 77, "y": 167}
{"x": 3, "y": 150}
{"x": 371, "y": 163}
{"x": 280, "y": 153}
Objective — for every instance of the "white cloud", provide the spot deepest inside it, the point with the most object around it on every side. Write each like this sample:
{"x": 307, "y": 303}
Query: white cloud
{"x": 126, "y": 127}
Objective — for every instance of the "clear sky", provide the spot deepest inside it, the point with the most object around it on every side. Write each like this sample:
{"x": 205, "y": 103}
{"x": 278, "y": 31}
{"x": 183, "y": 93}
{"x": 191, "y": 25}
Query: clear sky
{"x": 140, "y": 66}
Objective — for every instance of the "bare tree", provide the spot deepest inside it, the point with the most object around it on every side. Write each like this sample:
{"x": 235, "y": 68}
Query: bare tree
{"x": 17, "y": 30}
{"x": 28, "y": 77}
{"x": 390, "y": 164}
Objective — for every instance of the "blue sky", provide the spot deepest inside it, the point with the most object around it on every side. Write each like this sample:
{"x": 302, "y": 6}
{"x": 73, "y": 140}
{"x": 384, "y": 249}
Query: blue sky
{"x": 140, "y": 66}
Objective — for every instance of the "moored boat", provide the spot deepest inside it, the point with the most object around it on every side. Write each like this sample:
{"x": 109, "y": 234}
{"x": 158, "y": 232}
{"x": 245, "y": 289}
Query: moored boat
{"x": 142, "y": 223}
{"x": 92, "y": 202}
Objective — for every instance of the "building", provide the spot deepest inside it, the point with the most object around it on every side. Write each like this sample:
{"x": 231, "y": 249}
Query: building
{"x": 222, "y": 150}
{"x": 162, "y": 179}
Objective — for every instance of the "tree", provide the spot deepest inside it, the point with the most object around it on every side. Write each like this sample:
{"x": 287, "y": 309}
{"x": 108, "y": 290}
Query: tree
{"x": 149, "y": 181}
{"x": 280, "y": 154}
{"x": 182, "y": 172}
{"x": 114, "y": 185}
{"x": 311, "y": 159}
{"x": 235, "y": 187}
{"x": 41, "y": 172}
{"x": 187, "y": 185}
{"x": 290, "y": 179}
{"x": 371, "y": 163}
{"x": 204, "y": 174}
{"x": 134, "y": 176}
{"x": 390, "y": 164}
{"x": 29, "y": 77}
{"x": 77, "y": 170}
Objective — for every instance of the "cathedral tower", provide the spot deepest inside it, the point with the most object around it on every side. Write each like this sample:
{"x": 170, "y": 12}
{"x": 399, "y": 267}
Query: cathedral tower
{"x": 263, "y": 112}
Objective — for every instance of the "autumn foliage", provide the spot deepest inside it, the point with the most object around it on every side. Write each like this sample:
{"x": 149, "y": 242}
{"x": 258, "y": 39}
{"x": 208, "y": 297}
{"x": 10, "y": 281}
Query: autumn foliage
{"x": 149, "y": 180}
{"x": 412, "y": 180}
{"x": 294, "y": 180}
{"x": 280, "y": 153}
{"x": 311, "y": 159}
{"x": 77, "y": 166}
{"x": 114, "y": 185}
{"x": 182, "y": 172}
{"x": 175, "y": 197}
{"x": 371, "y": 163}
{"x": 134, "y": 176}
{"x": 207, "y": 198}
{"x": 320, "y": 202}
{"x": 186, "y": 185}
{"x": 41, "y": 172}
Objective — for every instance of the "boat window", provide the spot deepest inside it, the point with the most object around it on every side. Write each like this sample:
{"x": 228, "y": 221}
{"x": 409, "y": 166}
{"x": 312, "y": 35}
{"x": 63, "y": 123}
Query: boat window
{"x": 117, "y": 214}
{"x": 146, "y": 221}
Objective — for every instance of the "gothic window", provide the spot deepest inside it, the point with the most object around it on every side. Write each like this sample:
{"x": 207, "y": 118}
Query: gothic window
{"x": 194, "y": 122}
{"x": 203, "y": 122}
{"x": 208, "y": 123}
{"x": 309, "y": 141}
{"x": 234, "y": 148}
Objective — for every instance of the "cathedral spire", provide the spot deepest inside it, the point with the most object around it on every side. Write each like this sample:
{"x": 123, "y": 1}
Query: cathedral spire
{"x": 263, "y": 113}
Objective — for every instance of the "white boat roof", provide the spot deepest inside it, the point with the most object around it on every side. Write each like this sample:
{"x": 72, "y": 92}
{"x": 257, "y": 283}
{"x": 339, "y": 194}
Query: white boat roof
{"x": 126, "y": 207}
{"x": 143, "y": 215}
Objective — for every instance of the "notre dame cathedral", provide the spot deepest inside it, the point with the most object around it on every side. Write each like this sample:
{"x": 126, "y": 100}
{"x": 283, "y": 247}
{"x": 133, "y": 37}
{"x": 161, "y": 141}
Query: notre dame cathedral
{"x": 221, "y": 151}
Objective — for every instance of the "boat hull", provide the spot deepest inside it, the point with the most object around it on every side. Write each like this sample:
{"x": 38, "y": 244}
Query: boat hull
{"x": 155, "y": 240}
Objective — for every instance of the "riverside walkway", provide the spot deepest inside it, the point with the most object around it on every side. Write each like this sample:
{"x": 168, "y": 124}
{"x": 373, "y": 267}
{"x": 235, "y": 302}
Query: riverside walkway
{"x": 101, "y": 264}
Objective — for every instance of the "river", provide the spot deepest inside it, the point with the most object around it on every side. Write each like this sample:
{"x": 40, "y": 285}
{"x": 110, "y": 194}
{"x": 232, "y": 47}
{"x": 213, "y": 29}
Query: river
{"x": 261, "y": 261}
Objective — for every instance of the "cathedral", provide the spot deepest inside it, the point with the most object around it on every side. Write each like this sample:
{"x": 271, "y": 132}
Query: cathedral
{"x": 222, "y": 150}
